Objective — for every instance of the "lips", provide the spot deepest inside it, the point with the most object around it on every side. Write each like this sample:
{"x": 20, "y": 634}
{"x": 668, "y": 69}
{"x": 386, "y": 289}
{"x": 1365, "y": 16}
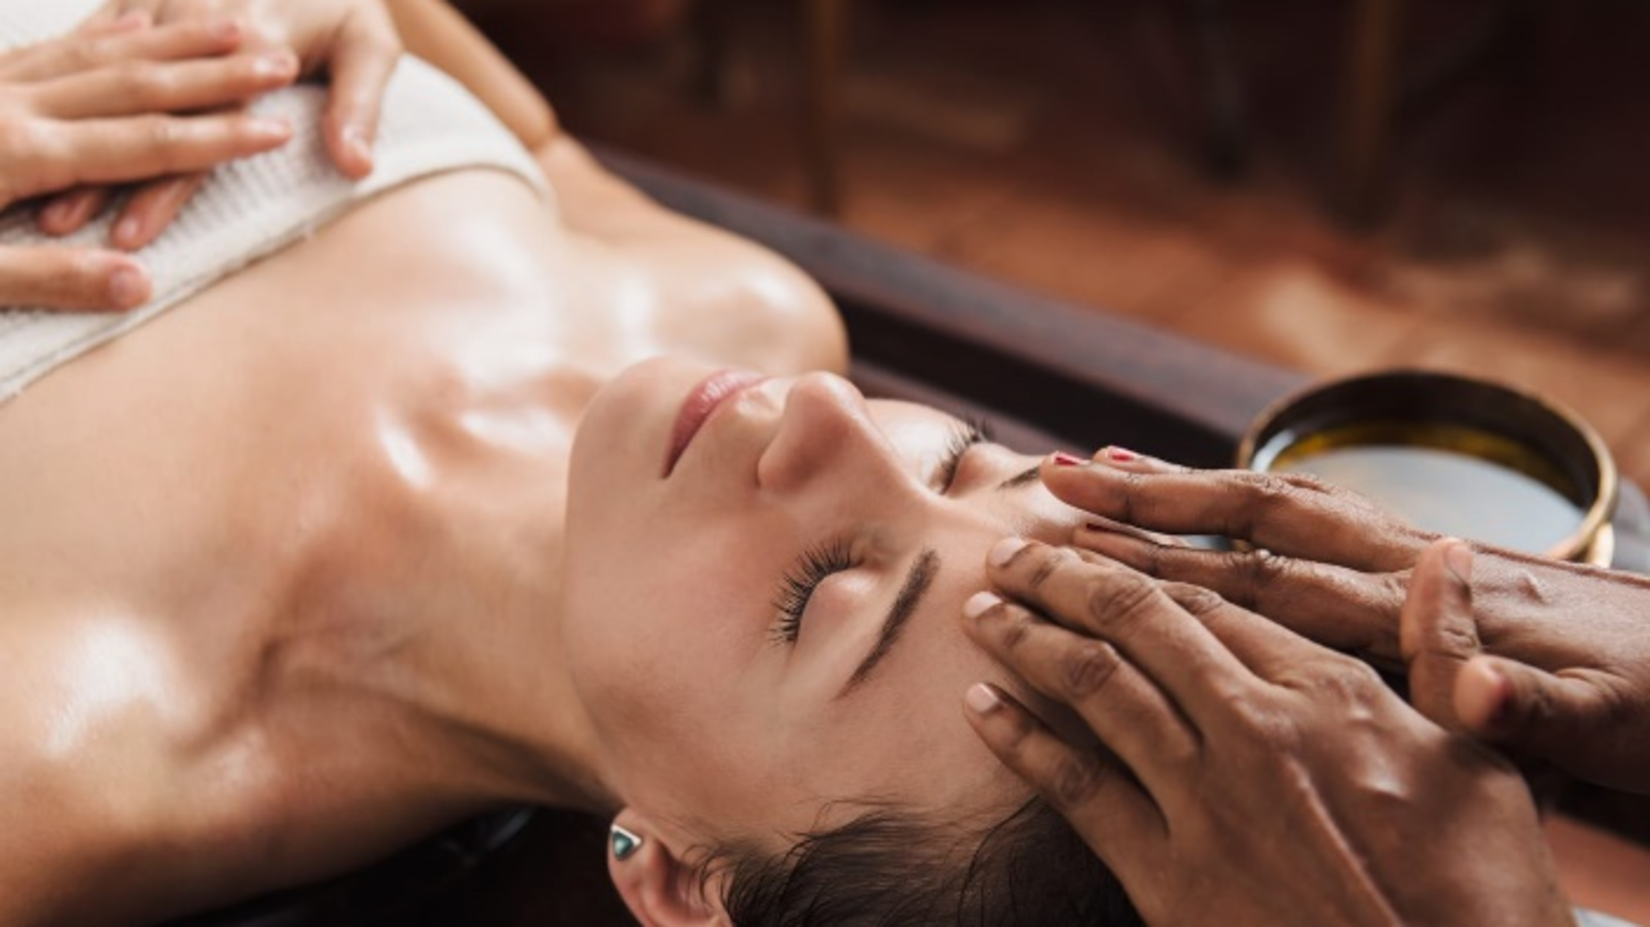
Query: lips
{"x": 701, "y": 401}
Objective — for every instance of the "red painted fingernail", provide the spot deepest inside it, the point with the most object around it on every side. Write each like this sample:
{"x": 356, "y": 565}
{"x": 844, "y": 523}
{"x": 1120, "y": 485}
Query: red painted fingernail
{"x": 1061, "y": 458}
{"x": 1121, "y": 455}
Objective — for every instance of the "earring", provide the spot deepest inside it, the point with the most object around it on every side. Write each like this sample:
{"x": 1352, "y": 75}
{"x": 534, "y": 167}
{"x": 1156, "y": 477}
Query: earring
{"x": 625, "y": 844}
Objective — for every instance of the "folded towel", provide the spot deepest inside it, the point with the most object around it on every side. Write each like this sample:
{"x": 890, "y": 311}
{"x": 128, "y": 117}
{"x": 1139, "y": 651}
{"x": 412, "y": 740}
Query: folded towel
{"x": 250, "y": 208}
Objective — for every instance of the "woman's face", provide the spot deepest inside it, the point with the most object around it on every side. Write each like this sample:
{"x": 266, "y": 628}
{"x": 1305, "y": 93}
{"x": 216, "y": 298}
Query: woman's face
{"x": 763, "y": 603}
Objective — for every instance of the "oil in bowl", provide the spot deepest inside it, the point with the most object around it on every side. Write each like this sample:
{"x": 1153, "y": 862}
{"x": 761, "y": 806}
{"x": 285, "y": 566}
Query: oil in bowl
{"x": 1450, "y": 454}
{"x": 1451, "y": 479}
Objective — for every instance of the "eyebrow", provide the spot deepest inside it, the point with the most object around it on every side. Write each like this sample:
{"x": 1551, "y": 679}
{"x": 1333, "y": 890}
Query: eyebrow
{"x": 918, "y": 580}
{"x": 1028, "y": 475}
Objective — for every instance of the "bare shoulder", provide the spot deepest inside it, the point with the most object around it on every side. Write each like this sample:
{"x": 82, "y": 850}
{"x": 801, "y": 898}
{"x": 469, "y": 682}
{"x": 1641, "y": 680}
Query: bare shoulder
{"x": 724, "y": 297}
{"x": 91, "y": 772}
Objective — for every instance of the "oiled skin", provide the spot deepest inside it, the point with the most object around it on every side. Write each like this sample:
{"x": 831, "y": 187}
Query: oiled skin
{"x": 273, "y": 567}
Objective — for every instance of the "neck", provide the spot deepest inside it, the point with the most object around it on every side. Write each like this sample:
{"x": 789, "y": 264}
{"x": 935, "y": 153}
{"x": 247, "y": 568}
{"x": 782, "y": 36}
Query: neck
{"x": 474, "y": 685}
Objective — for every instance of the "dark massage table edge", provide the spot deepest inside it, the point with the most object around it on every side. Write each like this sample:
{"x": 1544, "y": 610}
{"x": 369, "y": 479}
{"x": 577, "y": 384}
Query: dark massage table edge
{"x": 1044, "y": 373}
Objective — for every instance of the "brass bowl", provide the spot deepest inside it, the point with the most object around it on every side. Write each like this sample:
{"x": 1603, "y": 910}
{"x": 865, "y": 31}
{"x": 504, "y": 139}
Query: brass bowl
{"x": 1435, "y": 440}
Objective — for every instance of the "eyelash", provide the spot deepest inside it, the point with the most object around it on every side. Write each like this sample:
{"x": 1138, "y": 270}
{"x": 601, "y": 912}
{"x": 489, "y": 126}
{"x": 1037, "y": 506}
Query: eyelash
{"x": 970, "y": 433}
{"x": 819, "y": 563}
{"x": 799, "y": 585}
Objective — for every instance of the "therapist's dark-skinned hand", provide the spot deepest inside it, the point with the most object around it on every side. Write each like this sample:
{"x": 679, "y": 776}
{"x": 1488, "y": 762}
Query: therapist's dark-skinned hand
{"x": 1554, "y": 666}
{"x": 1248, "y": 775}
{"x": 353, "y": 42}
{"x": 120, "y": 101}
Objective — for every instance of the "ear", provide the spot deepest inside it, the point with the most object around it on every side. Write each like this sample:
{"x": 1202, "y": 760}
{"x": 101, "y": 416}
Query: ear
{"x": 659, "y": 888}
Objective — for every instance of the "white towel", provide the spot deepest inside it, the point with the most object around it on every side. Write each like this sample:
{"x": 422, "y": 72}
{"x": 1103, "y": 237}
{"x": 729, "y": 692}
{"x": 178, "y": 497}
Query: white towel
{"x": 253, "y": 207}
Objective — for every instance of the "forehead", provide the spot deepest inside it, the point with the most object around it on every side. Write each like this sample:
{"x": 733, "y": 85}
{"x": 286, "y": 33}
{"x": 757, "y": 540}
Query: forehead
{"x": 897, "y": 417}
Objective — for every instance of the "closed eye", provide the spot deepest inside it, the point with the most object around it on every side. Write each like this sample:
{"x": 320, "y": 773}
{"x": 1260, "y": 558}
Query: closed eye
{"x": 967, "y": 434}
{"x": 814, "y": 566}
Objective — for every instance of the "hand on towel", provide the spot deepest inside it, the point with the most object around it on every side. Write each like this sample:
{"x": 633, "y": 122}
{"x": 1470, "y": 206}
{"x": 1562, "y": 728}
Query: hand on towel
{"x": 118, "y": 102}
{"x": 354, "y": 42}
{"x": 1550, "y": 660}
{"x": 1240, "y": 774}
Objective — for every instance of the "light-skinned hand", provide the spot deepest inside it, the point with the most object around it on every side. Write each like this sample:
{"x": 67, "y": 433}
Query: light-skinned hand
{"x": 122, "y": 101}
{"x": 354, "y": 43}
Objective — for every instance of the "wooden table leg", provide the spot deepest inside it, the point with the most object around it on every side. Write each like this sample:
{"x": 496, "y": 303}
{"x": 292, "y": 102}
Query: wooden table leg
{"x": 825, "y": 41}
{"x": 1370, "y": 105}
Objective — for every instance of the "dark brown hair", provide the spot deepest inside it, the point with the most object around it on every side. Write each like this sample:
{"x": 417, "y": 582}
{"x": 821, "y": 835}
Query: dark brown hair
{"x": 888, "y": 869}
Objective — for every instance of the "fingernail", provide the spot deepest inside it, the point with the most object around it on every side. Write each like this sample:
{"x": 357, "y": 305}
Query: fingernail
{"x": 266, "y": 128}
{"x": 1121, "y": 455}
{"x": 224, "y": 28}
{"x": 358, "y": 145}
{"x": 982, "y": 699}
{"x": 978, "y": 604}
{"x": 1005, "y": 551}
{"x": 136, "y": 19}
{"x": 127, "y": 287}
{"x": 126, "y": 232}
{"x": 1458, "y": 559}
{"x": 275, "y": 64}
{"x": 59, "y": 213}
{"x": 1062, "y": 459}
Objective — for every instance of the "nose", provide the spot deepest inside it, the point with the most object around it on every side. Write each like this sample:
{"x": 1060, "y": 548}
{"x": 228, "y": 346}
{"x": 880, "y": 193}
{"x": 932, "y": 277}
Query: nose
{"x": 826, "y": 430}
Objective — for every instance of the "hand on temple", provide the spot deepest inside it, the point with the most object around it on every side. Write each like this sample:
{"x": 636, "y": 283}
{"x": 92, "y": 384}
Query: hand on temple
{"x": 117, "y": 102}
{"x": 1551, "y": 662}
{"x": 1240, "y": 774}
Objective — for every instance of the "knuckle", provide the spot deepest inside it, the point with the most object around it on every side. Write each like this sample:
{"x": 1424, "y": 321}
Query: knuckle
{"x": 1016, "y": 627}
{"x": 1196, "y": 600}
{"x": 1089, "y": 667}
{"x": 89, "y": 53}
{"x": 1119, "y": 599}
{"x": 148, "y": 84}
{"x": 1347, "y": 681}
{"x": 164, "y": 136}
{"x": 1075, "y": 780}
{"x": 1262, "y": 722}
{"x": 1046, "y": 561}
{"x": 1261, "y": 496}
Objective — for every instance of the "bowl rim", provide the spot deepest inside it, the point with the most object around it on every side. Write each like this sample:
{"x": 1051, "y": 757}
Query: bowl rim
{"x": 1590, "y": 542}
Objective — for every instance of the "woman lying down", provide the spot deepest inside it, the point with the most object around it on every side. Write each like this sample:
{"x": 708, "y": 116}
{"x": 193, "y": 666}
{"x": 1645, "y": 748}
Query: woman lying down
{"x": 501, "y": 485}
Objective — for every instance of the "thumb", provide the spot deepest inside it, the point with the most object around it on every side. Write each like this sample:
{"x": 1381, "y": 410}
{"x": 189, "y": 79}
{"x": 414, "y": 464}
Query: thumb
{"x": 1533, "y": 711}
{"x": 1437, "y": 633}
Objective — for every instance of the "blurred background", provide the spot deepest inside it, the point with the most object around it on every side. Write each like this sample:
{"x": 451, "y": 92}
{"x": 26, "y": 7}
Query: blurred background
{"x": 1328, "y": 186}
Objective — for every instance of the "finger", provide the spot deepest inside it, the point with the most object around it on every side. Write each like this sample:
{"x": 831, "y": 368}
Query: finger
{"x": 1129, "y": 714}
{"x": 77, "y": 54}
{"x": 1292, "y": 515}
{"x": 1114, "y": 815}
{"x": 1516, "y": 705}
{"x": 135, "y": 88}
{"x": 112, "y": 21}
{"x": 119, "y": 150}
{"x": 152, "y": 208}
{"x": 69, "y": 212}
{"x": 72, "y": 279}
{"x": 1345, "y": 609}
{"x": 1438, "y": 631}
{"x": 1124, "y": 459}
{"x": 1269, "y": 650}
{"x": 1129, "y": 611}
{"x": 364, "y": 57}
